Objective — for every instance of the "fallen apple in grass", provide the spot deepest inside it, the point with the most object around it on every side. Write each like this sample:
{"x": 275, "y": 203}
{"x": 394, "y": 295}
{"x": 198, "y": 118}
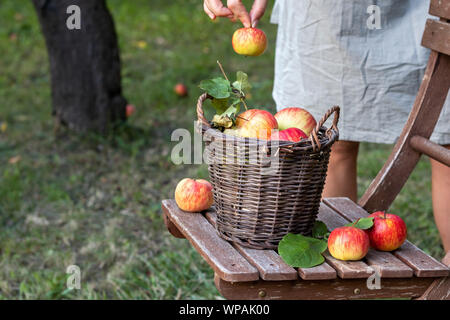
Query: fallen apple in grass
{"x": 194, "y": 195}
{"x": 130, "y": 110}
{"x": 294, "y": 117}
{"x": 249, "y": 41}
{"x": 255, "y": 123}
{"x": 291, "y": 134}
{"x": 181, "y": 90}
{"x": 348, "y": 243}
{"x": 388, "y": 231}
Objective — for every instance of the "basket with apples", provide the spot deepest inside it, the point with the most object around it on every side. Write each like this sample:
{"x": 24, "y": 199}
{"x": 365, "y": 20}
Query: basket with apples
{"x": 267, "y": 171}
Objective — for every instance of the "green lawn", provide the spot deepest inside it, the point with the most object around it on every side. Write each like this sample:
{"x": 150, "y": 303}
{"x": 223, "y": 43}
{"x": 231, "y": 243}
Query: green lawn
{"x": 95, "y": 201}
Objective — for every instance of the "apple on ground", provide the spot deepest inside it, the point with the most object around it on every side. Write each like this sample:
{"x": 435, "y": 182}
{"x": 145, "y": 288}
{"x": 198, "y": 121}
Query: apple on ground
{"x": 194, "y": 195}
{"x": 249, "y": 41}
{"x": 181, "y": 90}
{"x": 348, "y": 243}
{"x": 130, "y": 110}
{"x": 388, "y": 231}
{"x": 294, "y": 117}
{"x": 255, "y": 123}
{"x": 291, "y": 134}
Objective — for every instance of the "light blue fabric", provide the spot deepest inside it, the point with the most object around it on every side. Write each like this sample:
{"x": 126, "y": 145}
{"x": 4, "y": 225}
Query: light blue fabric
{"x": 327, "y": 55}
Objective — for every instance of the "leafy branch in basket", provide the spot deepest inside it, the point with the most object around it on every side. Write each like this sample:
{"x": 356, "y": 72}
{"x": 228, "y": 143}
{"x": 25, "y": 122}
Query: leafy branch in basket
{"x": 227, "y": 97}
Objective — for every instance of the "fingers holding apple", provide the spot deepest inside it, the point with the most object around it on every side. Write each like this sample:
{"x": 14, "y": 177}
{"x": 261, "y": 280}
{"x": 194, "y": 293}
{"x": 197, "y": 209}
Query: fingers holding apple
{"x": 194, "y": 195}
{"x": 348, "y": 243}
{"x": 388, "y": 231}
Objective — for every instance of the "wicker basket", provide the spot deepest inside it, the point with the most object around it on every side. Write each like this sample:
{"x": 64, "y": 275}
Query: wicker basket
{"x": 257, "y": 202}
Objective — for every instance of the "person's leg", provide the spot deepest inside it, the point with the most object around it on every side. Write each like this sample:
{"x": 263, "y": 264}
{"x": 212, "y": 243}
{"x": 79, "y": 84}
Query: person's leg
{"x": 341, "y": 177}
{"x": 440, "y": 189}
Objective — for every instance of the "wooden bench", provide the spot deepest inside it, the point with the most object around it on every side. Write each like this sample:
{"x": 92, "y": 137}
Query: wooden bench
{"x": 242, "y": 273}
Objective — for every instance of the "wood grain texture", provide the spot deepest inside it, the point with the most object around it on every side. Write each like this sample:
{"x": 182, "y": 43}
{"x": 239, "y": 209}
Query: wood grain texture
{"x": 320, "y": 272}
{"x": 440, "y": 8}
{"x": 337, "y": 289}
{"x": 422, "y": 264}
{"x": 437, "y": 36}
{"x": 220, "y": 255}
{"x": 431, "y": 149}
{"x": 421, "y": 121}
{"x": 172, "y": 228}
{"x": 269, "y": 264}
{"x": 440, "y": 288}
{"x": 345, "y": 269}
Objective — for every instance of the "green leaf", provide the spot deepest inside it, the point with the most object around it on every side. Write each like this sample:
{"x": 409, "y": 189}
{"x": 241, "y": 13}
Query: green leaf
{"x": 220, "y": 105}
{"x": 300, "y": 251}
{"x": 218, "y": 88}
{"x": 319, "y": 230}
{"x": 231, "y": 110}
{"x": 242, "y": 84}
{"x": 362, "y": 223}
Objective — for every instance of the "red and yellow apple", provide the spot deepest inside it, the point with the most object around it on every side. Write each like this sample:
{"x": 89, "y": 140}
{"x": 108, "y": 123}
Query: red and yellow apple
{"x": 249, "y": 41}
{"x": 255, "y": 123}
{"x": 388, "y": 231}
{"x": 294, "y": 117}
{"x": 291, "y": 134}
{"x": 181, "y": 90}
{"x": 130, "y": 110}
{"x": 348, "y": 243}
{"x": 194, "y": 195}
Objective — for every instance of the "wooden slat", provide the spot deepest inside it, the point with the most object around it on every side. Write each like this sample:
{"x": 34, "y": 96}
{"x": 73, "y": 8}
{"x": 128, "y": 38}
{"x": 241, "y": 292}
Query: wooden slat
{"x": 345, "y": 269}
{"x": 431, "y": 149}
{"x": 337, "y": 289}
{"x": 220, "y": 255}
{"x": 437, "y": 36}
{"x": 422, "y": 264}
{"x": 440, "y": 8}
{"x": 269, "y": 264}
{"x": 321, "y": 272}
{"x": 440, "y": 288}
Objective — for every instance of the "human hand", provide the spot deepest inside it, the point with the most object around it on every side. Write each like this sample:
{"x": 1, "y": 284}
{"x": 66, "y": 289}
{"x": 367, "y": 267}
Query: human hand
{"x": 236, "y": 10}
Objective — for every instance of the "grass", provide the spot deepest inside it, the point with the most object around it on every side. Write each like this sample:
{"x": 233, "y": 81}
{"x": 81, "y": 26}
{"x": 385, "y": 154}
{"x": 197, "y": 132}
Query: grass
{"x": 95, "y": 201}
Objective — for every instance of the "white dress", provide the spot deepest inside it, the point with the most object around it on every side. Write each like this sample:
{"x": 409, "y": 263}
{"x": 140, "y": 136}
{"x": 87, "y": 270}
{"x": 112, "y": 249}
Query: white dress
{"x": 328, "y": 54}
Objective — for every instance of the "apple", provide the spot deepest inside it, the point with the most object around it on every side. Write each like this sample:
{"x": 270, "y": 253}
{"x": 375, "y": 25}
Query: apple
{"x": 130, "y": 109}
{"x": 294, "y": 117}
{"x": 348, "y": 243}
{"x": 388, "y": 231}
{"x": 249, "y": 41}
{"x": 181, "y": 90}
{"x": 291, "y": 134}
{"x": 194, "y": 195}
{"x": 255, "y": 123}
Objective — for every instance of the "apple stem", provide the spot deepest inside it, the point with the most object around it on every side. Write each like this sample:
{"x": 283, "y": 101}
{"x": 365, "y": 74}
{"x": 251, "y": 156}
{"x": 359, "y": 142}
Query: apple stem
{"x": 221, "y": 69}
{"x": 384, "y": 214}
{"x": 354, "y": 223}
{"x": 245, "y": 105}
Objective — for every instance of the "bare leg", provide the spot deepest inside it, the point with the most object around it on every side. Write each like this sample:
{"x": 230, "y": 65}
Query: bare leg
{"x": 341, "y": 178}
{"x": 440, "y": 189}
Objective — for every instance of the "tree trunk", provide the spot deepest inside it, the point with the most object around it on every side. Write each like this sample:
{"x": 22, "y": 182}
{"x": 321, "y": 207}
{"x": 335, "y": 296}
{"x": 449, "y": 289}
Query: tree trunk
{"x": 84, "y": 65}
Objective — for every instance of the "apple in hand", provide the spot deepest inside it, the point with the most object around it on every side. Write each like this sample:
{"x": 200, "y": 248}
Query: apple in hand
{"x": 295, "y": 118}
{"x": 181, "y": 90}
{"x": 348, "y": 243}
{"x": 249, "y": 41}
{"x": 255, "y": 123}
{"x": 194, "y": 195}
{"x": 291, "y": 134}
{"x": 130, "y": 110}
{"x": 388, "y": 231}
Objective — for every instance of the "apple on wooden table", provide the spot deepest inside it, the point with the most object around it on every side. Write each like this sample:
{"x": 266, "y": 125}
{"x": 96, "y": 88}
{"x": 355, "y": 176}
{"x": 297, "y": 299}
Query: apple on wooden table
{"x": 348, "y": 243}
{"x": 388, "y": 231}
{"x": 194, "y": 195}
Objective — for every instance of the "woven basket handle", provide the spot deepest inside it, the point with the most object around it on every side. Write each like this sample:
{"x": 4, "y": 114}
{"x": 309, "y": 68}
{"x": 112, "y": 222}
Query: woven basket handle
{"x": 313, "y": 137}
{"x": 200, "y": 114}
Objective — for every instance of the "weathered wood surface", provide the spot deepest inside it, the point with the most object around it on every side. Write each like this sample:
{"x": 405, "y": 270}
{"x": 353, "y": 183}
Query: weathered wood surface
{"x": 269, "y": 264}
{"x": 220, "y": 255}
{"x": 422, "y": 264}
{"x": 431, "y": 149}
{"x": 437, "y": 36}
{"x": 421, "y": 121}
{"x": 440, "y": 288}
{"x": 337, "y": 289}
{"x": 440, "y": 8}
